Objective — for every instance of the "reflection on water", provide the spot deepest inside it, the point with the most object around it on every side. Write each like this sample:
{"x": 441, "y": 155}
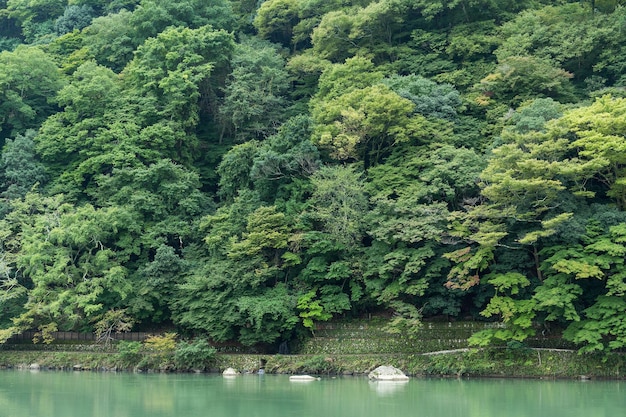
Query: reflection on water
{"x": 69, "y": 394}
{"x": 386, "y": 388}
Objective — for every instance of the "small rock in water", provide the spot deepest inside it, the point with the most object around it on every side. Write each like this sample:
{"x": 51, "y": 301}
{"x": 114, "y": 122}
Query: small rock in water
{"x": 303, "y": 378}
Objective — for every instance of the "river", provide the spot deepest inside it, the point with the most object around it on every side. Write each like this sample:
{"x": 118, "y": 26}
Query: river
{"x": 90, "y": 394}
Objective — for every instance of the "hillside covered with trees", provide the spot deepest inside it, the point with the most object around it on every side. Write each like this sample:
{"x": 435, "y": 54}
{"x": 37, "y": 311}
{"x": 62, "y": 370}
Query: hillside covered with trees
{"x": 242, "y": 170}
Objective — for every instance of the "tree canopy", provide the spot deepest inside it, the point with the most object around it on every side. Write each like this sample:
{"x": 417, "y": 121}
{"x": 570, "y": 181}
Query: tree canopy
{"x": 244, "y": 170}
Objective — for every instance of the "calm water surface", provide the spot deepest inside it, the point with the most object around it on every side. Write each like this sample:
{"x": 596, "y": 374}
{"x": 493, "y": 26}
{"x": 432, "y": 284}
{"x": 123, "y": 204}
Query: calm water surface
{"x": 66, "y": 394}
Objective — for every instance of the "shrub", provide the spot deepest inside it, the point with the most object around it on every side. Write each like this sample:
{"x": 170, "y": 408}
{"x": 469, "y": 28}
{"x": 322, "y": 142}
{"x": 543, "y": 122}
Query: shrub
{"x": 194, "y": 355}
{"x": 319, "y": 365}
{"x": 129, "y": 353}
{"x": 163, "y": 344}
{"x": 160, "y": 351}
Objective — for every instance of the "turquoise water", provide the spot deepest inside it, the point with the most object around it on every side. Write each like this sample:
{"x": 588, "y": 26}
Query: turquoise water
{"x": 68, "y": 394}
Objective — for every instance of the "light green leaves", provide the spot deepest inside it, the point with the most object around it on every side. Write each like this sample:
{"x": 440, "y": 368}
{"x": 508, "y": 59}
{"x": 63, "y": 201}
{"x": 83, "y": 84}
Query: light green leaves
{"x": 600, "y": 142}
{"x": 69, "y": 254}
{"x": 364, "y": 123}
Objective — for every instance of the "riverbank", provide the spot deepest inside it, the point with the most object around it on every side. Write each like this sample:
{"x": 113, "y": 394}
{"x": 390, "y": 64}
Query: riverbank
{"x": 349, "y": 347}
{"x": 522, "y": 363}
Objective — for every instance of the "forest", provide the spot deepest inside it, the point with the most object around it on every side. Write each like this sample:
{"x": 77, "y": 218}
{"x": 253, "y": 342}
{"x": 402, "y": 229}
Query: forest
{"x": 244, "y": 170}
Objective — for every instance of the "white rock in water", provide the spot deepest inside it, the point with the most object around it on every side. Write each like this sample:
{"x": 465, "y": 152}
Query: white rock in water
{"x": 230, "y": 372}
{"x": 34, "y": 366}
{"x": 387, "y": 373}
{"x": 303, "y": 378}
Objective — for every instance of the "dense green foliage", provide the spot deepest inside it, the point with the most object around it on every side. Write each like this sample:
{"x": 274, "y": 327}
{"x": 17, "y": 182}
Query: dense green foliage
{"x": 244, "y": 170}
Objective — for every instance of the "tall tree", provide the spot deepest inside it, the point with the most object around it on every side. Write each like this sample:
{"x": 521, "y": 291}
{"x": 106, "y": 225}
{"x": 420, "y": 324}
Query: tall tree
{"x": 369, "y": 30}
{"x": 275, "y": 20}
{"x": 567, "y": 34}
{"x": 110, "y": 40}
{"x": 254, "y": 96}
{"x": 69, "y": 254}
{"x": 169, "y": 71}
{"x": 20, "y": 170}
{"x": 413, "y": 193}
{"x": 362, "y": 125}
{"x": 536, "y": 188}
{"x": 339, "y": 203}
{"x": 29, "y": 81}
{"x": 520, "y": 78}
{"x": 430, "y": 99}
{"x": 35, "y": 17}
{"x": 598, "y": 129}
{"x": 244, "y": 294}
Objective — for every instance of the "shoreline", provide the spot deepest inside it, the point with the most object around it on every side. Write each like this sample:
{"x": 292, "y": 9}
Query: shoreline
{"x": 486, "y": 363}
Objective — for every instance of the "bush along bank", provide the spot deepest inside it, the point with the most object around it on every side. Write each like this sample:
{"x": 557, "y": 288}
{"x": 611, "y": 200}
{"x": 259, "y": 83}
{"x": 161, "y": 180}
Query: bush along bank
{"x": 157, "y": 353}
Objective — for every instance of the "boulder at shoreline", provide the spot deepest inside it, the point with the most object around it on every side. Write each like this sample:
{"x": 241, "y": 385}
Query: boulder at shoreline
{"x": 387, "y": 373}
{"x": 230, "y": 372}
